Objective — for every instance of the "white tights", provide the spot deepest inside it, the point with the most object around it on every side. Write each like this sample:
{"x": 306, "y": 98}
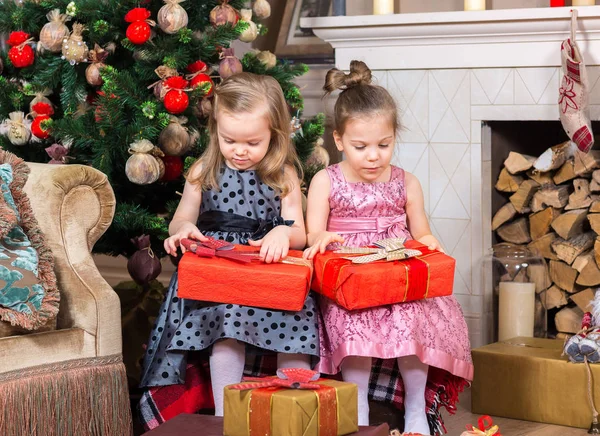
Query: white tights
{"x": 227, "y": 362}
{"x": 414, "y": 376}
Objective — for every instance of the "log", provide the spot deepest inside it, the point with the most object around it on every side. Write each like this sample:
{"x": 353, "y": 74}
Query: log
{"x": 570, "y": 223}
{"x": 516, "y": 232}
{"x": 539, "y": 222}
{"x": 554, "y": 196}
{"x": 553, "y": 297}
{"x": 568, "y": 320}
{"x": 582, "y": 260}
{"x": 538, "y": 274}
{"x": 554, "y": 157}
{"x": 508, "y": 182}
{"x": 586, "y": 162}
{"x": 597, "y": 251}
{"x": 595, "y": 206}
{"x": 521, "y": 276}
{"x": 563, "y": 275}
{"x": 565, "y": 173}
{"x": 580, "y": 198}
{"x": 584, "y": 299}
{"x": 596, "y": 176}
{"x": 542, "y": 246}
{"x": 504, "y": 214}
{"x": 522, "y": 197}
{"x": 594, "y": 219}
{"x": 589, "y": 275}
{"x": 540, "y": 177}
{"x": 569, "y": 250}
{"x": 517, "y": 163}
{"x": 594, "y": 186}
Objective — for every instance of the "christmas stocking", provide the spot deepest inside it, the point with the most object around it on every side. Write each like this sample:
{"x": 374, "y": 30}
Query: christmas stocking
{"x": 573, "y": 93}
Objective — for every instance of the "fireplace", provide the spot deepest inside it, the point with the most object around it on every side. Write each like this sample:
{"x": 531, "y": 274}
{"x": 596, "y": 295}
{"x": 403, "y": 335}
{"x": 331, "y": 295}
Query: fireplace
{"x": 458, "y": 78}
{"x": 548, "y": 200}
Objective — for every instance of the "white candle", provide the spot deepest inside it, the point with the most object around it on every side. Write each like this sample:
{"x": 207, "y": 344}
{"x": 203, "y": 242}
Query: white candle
{"x": 584, "y": 2}
{"x": 383, "y": 7}
{"x": 516, "y": 310}
{"x": 474, "y": 5}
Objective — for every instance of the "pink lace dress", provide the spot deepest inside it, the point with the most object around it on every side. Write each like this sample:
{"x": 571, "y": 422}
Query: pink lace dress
{"x": 433, "y": 329}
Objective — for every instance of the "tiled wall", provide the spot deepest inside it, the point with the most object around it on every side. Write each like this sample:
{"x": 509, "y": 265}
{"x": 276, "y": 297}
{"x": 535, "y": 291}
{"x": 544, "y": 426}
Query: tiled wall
{"x": 442, "y": 114}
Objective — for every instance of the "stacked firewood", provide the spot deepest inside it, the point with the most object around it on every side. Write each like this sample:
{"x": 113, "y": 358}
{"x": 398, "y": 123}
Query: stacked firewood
{"x": 554, "y": 209}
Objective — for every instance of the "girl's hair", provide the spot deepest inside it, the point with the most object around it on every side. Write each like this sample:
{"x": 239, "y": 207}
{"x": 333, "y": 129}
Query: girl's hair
{"x": 358, "y": 97}
{"x": 246, "y": 92}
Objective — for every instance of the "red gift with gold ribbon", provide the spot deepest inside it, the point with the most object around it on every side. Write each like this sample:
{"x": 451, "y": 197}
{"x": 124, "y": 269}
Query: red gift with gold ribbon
{"x": 225, "y": 279}
{"x": 319, "y": 408}
{"x": 391, "y": 275}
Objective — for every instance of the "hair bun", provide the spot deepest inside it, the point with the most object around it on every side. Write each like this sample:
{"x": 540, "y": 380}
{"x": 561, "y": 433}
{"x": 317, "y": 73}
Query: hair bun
{"x": 336, "y": 79}
{"x": 360, "y": 74}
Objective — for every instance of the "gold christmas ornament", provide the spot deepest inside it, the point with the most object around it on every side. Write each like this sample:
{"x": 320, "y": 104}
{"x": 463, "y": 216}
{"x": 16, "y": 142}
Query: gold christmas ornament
{"x": 74, "y": 49}
{"x": 251, "y": 32}
{"x": 172, "y": 17}
{"x": 97, "y": 56}
{"x": 142, "y": 167}
{"x": 229, "y": 64}
{"x": 174, "y": 140}
{"x": 203, "y": 108}
{"x": 16, "y": 129}
{"x": 55, "y": 31}
{"x": 222, "y": 14}
{"x": 267, "y": 58}
{"x": 40, "y": 97}
{"x": 262, "y": 9}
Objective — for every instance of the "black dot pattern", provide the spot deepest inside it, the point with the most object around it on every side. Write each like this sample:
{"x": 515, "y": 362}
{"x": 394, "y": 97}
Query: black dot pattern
{"x": 186, "y": 325}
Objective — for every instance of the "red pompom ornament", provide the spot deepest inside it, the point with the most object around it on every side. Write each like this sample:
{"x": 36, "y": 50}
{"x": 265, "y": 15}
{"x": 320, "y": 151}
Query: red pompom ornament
{"x": 173, "y": 168}
{"x": 43, "y": 112}
{"x": 21, "y": 54}
{"x": 138, "y": 32}
{"x": 176, "y": 100}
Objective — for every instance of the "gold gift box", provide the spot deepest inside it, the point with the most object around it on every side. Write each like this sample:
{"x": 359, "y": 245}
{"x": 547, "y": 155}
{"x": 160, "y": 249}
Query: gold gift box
{"x": 528, "y": 379}
{"x": 293, "y": 412}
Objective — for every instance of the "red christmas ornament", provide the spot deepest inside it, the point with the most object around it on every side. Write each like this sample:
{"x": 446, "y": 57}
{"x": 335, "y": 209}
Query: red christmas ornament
{"x": 43, "y": 111}
{"x": 201, "y": 78}
{"x": 138, "y": 32}
{"x": 21, "y": 54}
{"x": 176, "y": 100}
{"x": 173, "y": 168}
{"x": 197, "y": 67}
{"x": 37, "y": 129}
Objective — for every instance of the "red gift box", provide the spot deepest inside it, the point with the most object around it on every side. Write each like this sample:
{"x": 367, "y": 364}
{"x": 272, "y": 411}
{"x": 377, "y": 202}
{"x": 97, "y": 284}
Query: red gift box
{"x": 278, "y": 286}
{"x": 360, "y": 286}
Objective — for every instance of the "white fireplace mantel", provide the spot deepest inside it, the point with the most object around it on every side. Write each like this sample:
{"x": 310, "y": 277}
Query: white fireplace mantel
{"x": 479, "y": 39}
{"x": 451, "y": 73}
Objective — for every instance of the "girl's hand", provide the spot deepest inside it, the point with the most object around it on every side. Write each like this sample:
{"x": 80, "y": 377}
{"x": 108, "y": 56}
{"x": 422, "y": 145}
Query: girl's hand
{"x": 275, "y": 245}
{"x": 187, "y": 230}
{"x": 431, "y": 242}
{"x": 321, "y": 243}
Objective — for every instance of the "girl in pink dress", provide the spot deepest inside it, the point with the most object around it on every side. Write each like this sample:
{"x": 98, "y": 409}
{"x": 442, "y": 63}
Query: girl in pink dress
{"x": 356, "y": 203}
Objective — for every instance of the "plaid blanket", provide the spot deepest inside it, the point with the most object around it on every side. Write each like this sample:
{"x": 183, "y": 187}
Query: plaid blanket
{"x": 162, "y": 403}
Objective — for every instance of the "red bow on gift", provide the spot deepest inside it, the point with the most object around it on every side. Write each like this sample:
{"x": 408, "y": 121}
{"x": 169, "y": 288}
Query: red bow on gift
{"x": 215, "y": 248}
{"x": 486, "y": 428}
{"x": 292, "y": 378}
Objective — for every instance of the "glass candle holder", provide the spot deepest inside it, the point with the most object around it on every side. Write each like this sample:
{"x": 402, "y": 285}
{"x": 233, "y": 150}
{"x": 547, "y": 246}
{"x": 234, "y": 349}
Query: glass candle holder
{"x": 519, "y": 279}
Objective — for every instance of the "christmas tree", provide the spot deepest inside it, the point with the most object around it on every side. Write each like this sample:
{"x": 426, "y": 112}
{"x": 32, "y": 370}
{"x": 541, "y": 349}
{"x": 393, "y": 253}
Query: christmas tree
{"x": 125, "y": 86}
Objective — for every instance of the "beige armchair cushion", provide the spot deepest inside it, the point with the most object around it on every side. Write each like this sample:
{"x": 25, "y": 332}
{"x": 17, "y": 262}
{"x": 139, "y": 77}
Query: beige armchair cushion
{"x": 74, "y": 205}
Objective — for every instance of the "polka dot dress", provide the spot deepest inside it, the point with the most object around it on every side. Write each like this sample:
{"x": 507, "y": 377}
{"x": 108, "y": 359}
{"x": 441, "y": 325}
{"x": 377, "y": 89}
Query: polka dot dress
{"x": 188, "y": 325}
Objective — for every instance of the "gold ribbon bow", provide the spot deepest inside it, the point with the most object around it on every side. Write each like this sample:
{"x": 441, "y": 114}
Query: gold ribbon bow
{"x": 389, "y": 249}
